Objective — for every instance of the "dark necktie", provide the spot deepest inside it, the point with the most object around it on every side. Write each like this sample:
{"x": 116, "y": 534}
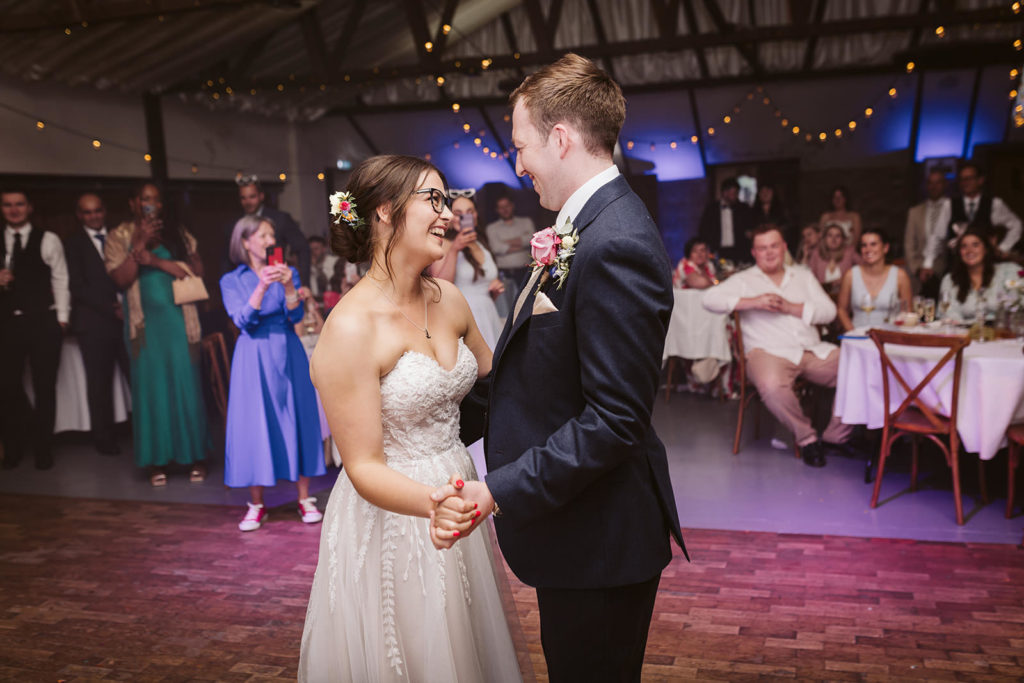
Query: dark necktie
{"x": 19, "y": 249}
{"x": 99, "y": 237}
{"x": 972, "y": 207}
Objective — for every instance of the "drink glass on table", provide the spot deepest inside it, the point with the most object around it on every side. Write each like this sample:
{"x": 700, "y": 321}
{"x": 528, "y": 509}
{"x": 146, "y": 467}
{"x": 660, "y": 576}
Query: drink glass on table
{"x": 867, "y": 304}
{"x": 928, "y": 310}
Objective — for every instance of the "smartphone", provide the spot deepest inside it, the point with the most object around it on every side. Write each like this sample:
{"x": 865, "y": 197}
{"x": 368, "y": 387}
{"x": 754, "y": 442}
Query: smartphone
{"x": 466, "y": 221}
{"x": 275, "y": 256}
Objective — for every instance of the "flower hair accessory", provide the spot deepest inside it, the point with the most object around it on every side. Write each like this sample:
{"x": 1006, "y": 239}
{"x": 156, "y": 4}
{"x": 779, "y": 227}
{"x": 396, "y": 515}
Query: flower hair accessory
{"x": 554, "y": 248}
{"x": 343, "y": 209}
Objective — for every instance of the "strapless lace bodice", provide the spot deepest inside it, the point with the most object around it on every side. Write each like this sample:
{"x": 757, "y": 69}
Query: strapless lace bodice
{"x": 420, "y": 405}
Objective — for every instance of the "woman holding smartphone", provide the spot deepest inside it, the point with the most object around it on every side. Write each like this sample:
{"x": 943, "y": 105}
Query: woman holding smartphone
{"x": 273, "y": 426}
{"x": 470, "y": 266}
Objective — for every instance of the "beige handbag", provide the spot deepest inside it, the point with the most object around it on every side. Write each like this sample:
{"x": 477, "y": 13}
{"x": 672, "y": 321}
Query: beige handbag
{"x": 190, "y": 288}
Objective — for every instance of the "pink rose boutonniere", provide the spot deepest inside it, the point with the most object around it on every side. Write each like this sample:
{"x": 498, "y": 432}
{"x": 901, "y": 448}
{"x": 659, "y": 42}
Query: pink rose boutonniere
{"x": 554, "y": 248}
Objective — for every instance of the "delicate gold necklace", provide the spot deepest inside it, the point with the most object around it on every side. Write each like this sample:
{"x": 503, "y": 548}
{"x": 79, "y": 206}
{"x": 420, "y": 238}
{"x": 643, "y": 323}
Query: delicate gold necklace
{"x": 423, "y": 329}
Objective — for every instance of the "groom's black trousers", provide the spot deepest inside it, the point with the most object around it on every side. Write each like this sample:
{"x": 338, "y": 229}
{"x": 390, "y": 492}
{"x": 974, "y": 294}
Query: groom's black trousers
{"x": 596, "y": 635}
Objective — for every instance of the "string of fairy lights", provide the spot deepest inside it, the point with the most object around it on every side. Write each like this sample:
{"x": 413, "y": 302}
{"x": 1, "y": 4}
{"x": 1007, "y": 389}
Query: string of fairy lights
{"x": 480, "y": 140}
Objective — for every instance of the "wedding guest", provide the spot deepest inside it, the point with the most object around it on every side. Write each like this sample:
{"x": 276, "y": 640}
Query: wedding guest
{"x": 768, "y": 208}
{"x": 273, "y": 428}
{"x": 34, "y": 312}
{"x": 780, "y": 308}
{"x": 927, "y": 224}
{"x": 842, "y": 215}
{"x": 695, "y": 270}
{"x": 874, "y": 289}
{"x": 321, "y": 269}
{"x": 978, "y": 208}
{"x": 143, "y": 256}
{"x": 726, "y": 223}
{"x": 289, "y": 235}
{"x": 810, "y": 239}
{"x": 976, "y": 282}
{"x": 833, "y": 257}
{"x": 469, "y": 265}
{"x": 97, "y": 320}
{"x": 509, "y": 240}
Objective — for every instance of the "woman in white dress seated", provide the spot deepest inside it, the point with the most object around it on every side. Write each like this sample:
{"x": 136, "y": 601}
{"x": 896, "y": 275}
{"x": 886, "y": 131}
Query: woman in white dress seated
{"x": 975, "y": 283}
{"x": 470, "y": 266}
{"x": 395, "y": 358}
{"x": 874, "y": 289}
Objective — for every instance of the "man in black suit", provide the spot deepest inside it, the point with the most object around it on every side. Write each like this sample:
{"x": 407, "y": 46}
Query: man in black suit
{"x": 286, "y": 231}
{"x": 577, "y": 479}
{"x": 726, "y": 224}
{"x": 96, "y": 318}
{"x": 34, "y": 310}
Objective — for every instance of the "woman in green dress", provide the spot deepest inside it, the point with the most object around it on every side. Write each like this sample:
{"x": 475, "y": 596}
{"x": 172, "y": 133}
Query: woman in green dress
{"x": 144, "y": 257}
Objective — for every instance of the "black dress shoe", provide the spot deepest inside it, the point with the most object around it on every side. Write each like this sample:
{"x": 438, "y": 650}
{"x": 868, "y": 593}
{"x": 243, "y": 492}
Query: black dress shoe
{"x": 813, "y": 454}
{"x": 44, "y": 460}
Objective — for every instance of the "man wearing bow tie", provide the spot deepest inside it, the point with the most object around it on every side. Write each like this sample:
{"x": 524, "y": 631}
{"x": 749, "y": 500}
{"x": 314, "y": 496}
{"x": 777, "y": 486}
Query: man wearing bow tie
{"x": 96, "y": 318}
{"x": 726, "y": 223}
{"x": 34, "y": 310}
{"x": 976, "y": 207}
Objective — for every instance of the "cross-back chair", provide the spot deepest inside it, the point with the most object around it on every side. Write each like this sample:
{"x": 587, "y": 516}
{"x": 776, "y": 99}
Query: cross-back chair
{"x": 913, "y": 416}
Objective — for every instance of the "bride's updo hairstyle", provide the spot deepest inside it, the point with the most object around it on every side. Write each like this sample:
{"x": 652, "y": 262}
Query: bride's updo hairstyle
{"x": 388, "y": 180}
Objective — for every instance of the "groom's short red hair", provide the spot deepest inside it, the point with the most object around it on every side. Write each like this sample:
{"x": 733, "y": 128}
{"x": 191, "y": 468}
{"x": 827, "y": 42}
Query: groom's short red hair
{"x": 576, "y": 91}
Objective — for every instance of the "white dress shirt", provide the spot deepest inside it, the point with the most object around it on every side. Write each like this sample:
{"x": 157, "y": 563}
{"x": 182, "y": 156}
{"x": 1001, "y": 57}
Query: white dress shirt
{"x": 501, "y": 232}
{"x": 728, "y": 235}
{"x": 578, "y": 199}
{"x": 937, "y": 214}
{"x": 779, "y": 334}
{"x": 1001, "y": 215}
{"x": 93, "y": 234}
{"x": 52, "y": 252}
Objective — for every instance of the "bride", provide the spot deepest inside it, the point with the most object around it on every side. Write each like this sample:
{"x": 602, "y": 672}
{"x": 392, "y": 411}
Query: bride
{"x": 394, "y": 360}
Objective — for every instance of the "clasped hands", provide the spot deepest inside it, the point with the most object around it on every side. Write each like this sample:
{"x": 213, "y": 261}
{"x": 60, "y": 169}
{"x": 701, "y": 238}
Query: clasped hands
{"x": 459, "y": 508}
{"x": 777, "y": 304}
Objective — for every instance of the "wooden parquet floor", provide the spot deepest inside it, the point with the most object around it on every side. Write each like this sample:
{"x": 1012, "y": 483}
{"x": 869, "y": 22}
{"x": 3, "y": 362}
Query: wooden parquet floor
{"x": 98, "y": 590}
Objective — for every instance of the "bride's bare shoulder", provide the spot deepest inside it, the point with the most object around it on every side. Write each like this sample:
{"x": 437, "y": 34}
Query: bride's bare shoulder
{"x": 347, "y": 336}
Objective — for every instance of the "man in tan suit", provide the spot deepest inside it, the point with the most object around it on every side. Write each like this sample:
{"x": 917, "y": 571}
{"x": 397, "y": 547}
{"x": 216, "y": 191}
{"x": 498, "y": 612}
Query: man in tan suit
{"x": 930, "y": 217}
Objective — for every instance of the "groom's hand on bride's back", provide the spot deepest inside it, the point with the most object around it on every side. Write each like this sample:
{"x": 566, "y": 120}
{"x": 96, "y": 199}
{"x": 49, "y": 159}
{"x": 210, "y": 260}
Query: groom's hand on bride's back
{"x": 459, "y": 507}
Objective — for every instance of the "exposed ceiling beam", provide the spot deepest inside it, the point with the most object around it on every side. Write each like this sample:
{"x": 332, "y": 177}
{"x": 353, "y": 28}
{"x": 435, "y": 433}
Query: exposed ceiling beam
{"x": 510, "y": 37}
{"x": 691, "y": 21}
{"x": 667, "y": 14}
{"x": 762, "y": 34}
{"x": 602, "y": 37}
{"x": 544, "y": 28}
{"x": 418, "y": 26}
{"x": 250, "y": 54}
{"x": 812, "y": 42}
{"x": 348, "y": 34}
{"x": 313, "y": 37}
{"x": 667, "y": 86}
{"x": 367, "y": 140}
{"x": 114, "y": 10}
{"x": 918, "y": 33}
{"x": 501, "y": 145}
{"x": 441, "y": 36}
{"x": 747, "y": 49}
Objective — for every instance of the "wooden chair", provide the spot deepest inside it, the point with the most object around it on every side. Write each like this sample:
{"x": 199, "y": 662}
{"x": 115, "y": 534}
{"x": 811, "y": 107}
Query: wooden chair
{"x": 217, "y": 365}
{"x": 748, "y": 392}
{"x": 1015, "y": 437}
{"x": 915, "y": 418}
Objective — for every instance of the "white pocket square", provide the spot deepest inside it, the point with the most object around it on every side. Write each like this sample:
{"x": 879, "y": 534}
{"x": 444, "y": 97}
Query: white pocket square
{"x": 542, "y": 304}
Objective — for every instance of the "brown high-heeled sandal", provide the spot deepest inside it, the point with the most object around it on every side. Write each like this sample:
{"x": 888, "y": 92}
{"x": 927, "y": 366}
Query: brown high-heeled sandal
{"x": 197, "y": 475}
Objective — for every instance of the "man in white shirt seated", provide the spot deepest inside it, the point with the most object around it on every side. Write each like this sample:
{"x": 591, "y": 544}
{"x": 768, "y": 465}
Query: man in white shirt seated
{"x": 780, "y": 308}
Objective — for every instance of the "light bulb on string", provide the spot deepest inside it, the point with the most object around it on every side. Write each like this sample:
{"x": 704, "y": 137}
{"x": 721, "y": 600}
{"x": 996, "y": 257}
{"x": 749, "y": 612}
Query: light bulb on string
{"x": 868, "y": 112}
{"x": 711, "y": 132}
{"x": 629, "y": 144}
{"x": 40, "y": 125}
{"x": 852, "y": 125}
{"x": 673, "y": 144}
{"x": 694, "y": 139}
{"x": 892, "y": 93}
{"x": 726, "y": 119}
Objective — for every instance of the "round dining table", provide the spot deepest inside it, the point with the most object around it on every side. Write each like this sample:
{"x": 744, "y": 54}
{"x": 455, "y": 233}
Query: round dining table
{"x": 991, "y": 387}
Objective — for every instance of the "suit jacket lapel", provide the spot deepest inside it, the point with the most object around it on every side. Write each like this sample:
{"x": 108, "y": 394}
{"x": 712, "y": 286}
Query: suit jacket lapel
{"x": 604, "y": 196}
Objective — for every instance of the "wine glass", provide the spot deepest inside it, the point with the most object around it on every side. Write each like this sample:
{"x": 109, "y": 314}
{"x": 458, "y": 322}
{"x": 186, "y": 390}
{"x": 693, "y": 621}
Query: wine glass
{"x": 945, "y": 299}
{"x": 867, "y": 304}
{"x": 929, "y": 310}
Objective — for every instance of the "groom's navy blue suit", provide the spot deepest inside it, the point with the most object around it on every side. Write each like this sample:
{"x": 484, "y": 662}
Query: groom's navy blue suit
{"x": 573, "y": 461}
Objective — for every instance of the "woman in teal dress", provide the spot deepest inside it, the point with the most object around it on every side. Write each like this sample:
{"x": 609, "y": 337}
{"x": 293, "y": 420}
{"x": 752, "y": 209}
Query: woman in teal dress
{"x": 168, "y": 412}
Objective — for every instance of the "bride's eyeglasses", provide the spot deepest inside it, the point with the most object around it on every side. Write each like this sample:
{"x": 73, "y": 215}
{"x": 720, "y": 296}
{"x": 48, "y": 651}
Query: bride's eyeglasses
{"x": 438, "y": 199}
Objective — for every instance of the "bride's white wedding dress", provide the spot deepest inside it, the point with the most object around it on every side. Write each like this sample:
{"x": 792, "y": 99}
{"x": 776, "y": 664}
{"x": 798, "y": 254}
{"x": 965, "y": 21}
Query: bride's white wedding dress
{"x": 385, "y": 604}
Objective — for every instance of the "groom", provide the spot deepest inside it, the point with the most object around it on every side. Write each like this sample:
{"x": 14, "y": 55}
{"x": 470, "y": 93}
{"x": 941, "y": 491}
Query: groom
{"x": 577, "y": 479}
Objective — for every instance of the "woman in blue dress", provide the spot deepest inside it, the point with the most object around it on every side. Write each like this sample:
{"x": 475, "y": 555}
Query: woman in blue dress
{"x": 273, "y": 427}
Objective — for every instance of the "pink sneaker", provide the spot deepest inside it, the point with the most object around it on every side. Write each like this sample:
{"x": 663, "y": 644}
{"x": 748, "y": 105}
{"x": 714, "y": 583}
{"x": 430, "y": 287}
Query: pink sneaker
{"x": 309, "y": 512}
{"x": 253, "y": 519}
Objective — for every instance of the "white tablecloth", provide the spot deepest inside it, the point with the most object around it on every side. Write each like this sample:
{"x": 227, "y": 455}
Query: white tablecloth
{"x": 693, "y": 331}
{"x": 991, "y": 388}
{"x": 72, "y": 391}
